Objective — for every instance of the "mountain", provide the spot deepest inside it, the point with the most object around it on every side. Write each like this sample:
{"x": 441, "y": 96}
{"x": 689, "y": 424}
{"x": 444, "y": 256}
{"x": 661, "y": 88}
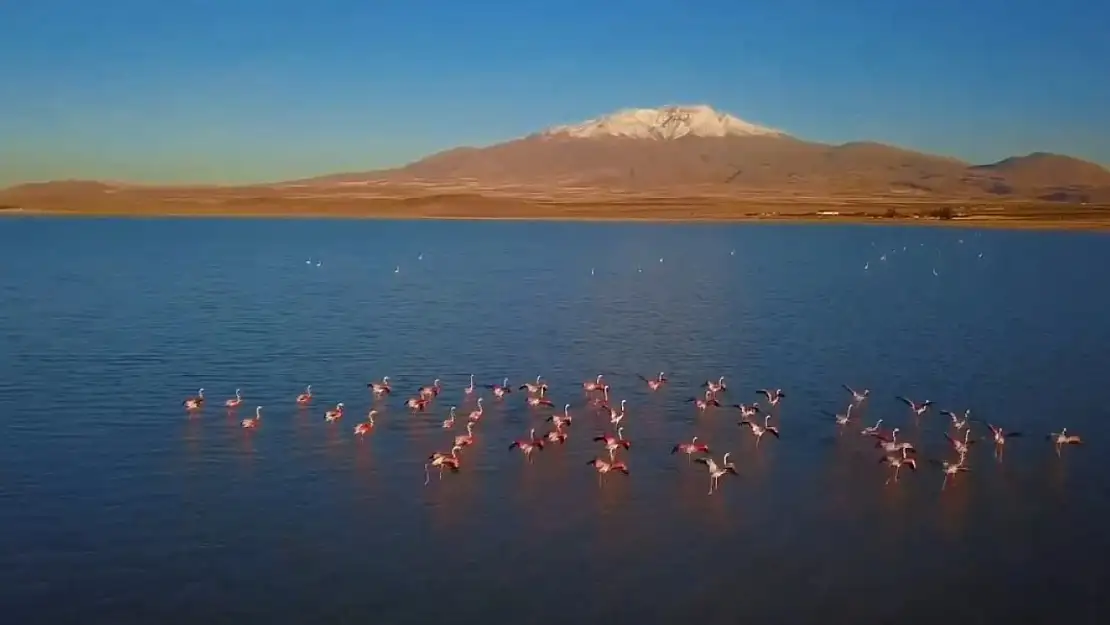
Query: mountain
{"x": 690, "y": 149}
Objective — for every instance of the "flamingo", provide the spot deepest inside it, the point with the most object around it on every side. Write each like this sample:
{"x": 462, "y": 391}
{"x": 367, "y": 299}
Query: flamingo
{"x": 773, "y": 397}
{"x": 715, "y": 387}
{"x": 417, "y": 404}
{"x": 538, "y": 387}
{"x": 843, "y": 419}
{"x": 443, "y": 461}
{"x": 1062, "y": 438}
{"x": 958, "y": 422}
{"x": 234, "y": 402}
{"x": 715, "y": 472}
{"x": 898, "y": 462}
{"x": 758, "y": 431}
{"x": 527, "y": 446}
{"x": 999, "y": 436}
{"x": 962, "y": 447}
{"x": 366, "y": 426}
{"x": 655, "y": 384}
{"x": 703, "y": 403}
{"x": 556, "y": 436}
{"x": 540, "y": 400}
{"x": 380, "y": 388}
{"x": 746, "y": 411}
{"x": 612, "y": 444}
{"x": 871, "y": 430}
{"x": 476, "y": 414}
{"x": 336, "y": 414}
{"x": 593, "y": 386}
{"x": 603, "y": 467}
{"x": 691, "y": 448}
{"x": 614, "y": 416}
{"x": 857, "y": 396}
{"x": 892, "y": 445}
{"x": 253, "y": 422}
{"x": 470, "y": 389}
{"x": 449, "y": 422}
{"x": 950, "y": 469}
{"x": 194, "y": 403}
{"x": 500, "y": 390}
{"x": 462, "y": 440}
{"x": 429, "y": 392}
{"x": 306, "y": 397}
{"x": 918, "y": 409}
{"x": 563, "y": 420}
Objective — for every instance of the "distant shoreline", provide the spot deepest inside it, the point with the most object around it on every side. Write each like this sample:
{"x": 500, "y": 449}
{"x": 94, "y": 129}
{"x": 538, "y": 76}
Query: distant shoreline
{"x": 1086, "y": 223}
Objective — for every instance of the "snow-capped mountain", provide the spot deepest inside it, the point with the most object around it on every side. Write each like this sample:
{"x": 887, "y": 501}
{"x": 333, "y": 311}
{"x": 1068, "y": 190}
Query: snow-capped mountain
{"x": 668, "y": 122}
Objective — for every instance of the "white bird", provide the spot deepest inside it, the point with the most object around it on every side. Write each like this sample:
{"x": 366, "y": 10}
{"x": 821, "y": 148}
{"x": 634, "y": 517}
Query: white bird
{"x": 715, "y": 472}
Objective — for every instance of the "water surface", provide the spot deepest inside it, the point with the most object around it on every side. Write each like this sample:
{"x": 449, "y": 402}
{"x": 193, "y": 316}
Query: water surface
{"x": 115, "y": 507}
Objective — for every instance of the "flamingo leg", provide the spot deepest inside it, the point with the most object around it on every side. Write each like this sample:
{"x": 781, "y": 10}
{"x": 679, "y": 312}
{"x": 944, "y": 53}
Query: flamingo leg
{"x": 945, "y": 482}
{"x": 1058, "y": 449}
{"x": 427, "y": 476}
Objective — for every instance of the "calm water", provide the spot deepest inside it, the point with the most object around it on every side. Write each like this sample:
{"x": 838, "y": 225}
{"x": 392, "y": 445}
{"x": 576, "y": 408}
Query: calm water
{"x": 115, "y": 507}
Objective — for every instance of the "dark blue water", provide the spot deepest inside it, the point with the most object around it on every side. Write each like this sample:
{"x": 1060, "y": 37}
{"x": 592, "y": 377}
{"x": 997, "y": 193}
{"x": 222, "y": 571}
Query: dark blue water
{"x": 117, "y": 507}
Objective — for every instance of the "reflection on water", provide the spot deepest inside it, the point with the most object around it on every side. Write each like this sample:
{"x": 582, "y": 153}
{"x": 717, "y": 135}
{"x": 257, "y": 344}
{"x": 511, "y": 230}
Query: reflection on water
{"x": 302, "y": 521}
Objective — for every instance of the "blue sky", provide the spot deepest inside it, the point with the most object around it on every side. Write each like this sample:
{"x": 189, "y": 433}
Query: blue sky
{"x": 251, "y": 90}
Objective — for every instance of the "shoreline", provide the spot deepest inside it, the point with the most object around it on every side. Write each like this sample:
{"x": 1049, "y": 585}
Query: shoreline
{"x": 971, "y": 221}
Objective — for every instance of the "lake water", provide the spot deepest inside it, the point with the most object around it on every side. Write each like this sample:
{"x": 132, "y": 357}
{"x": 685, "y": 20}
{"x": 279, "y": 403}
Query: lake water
{"x": 117, "y": 507}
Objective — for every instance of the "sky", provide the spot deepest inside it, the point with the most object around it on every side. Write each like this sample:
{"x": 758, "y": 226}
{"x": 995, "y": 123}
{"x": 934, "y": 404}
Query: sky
{"x": 230, "y": 91}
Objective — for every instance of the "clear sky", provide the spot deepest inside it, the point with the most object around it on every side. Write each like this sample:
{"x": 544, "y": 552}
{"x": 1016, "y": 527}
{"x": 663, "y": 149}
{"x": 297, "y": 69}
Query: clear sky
{"x": 255, "y": 90}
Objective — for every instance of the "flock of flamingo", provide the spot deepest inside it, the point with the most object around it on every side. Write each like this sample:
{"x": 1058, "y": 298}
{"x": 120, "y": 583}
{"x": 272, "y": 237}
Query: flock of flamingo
{"x": 896, "y": 454}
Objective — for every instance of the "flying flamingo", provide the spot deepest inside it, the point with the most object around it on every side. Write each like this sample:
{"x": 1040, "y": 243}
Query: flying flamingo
{"x": 562, "y": 420}
{"x": 872, "y": 430}
{"x": 950, "y": 469}
{"x": 443, "y": 461}
{"x": 470, "y": 389}
{"x": 476, "y": 414}
{"x": 538, "y": 387}
{"x": 556, "y": 436}
{"x": 593, "y": 386}
{"x": 612, "y": 444}
{"x": 540, "y": 400}
{"x": 449, "y": 422}
{"x": 527, "y": 446}
{"x": 614, "y": 416}
{"x": 305, "y": 398}
{"x": 891, "y": 444}
{"x": 857, "y": 396}
{"x": 773, "y": 397}
{"x": 898, "y": 462}
{"x": 1062, "y": 438}
{"x": 380, "y": 388}
{"x": 715, "y": 472}
{"x": 957, "y": 422}
{"x": 758, "y": 431}
{"x": 235, "y": 401}
{"x": 429, "y": 392}
{"x": 366, "y": 426}
{"x": 715, "y": 387}
{"x": 462, "y": 440}
{"x": 500, "y": 390}
{"x": 703, "y": 403}
{"x": 843, "y": 419}
{"x": 691, "y": 448}
{"x": 999, "y": 436}
{"x": 655, "y": 384}
{"x": 336, "y": 414}
{"x": 253, "y": 422}
{"x": 918, "y": 409}
{"x": 194, "y": 403}
{"x": 603, "y": 467}
{"x": 962, "y": 447}
{"x": 747, "y": 412}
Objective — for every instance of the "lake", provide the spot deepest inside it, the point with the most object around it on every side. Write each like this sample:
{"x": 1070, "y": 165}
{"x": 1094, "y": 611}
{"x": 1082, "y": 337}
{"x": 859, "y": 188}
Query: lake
{"x": 116, "y": 506}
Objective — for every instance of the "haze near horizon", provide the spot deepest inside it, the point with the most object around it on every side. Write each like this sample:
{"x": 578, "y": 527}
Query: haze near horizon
{"x": 263, "y": 91}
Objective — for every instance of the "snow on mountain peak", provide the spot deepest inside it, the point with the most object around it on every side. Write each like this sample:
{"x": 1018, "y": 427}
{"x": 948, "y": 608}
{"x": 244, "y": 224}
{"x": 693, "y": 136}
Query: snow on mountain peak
{"x": 668, "y": 122}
